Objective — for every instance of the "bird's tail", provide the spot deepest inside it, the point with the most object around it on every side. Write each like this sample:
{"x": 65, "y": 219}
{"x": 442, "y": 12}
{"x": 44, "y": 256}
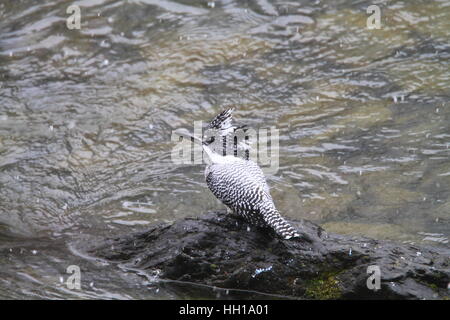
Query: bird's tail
{"x": 274, "y": 220}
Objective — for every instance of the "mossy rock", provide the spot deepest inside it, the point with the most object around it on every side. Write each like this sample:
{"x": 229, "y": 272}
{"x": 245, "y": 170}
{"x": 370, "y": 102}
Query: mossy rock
{"x": 325, "y": 287}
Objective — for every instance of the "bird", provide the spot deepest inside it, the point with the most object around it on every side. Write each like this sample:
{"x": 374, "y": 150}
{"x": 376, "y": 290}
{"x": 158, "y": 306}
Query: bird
{"x": 239, "y": 183}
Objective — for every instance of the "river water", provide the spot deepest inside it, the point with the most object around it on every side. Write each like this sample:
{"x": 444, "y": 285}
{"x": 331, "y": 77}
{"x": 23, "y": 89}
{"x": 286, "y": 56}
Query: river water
{"x": 86, "y": 117}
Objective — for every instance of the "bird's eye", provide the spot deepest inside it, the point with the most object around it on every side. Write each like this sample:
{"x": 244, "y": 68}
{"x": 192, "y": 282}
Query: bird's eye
{"x": 210, "y": 140}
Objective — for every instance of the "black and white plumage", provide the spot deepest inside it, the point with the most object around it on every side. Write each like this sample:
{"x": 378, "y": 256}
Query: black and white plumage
{"x": 221, "y": 128}
{"x": 240, "y": 184}
{"x": 223, "y": 122}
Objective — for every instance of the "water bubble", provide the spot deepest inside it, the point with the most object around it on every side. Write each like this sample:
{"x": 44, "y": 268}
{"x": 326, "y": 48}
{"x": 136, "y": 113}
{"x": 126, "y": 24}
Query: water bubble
{"x": 110, "y": 20}
{"x": 61, "y": 279}
{"x": 34, "y": 251}
{"x": 211, "y": 4}
{"x": 105, "y": 62}
{"x": 91, "y": 284}
{"x": 418, "y": 253}
{"x": 350, "y": 252}
{"x": 50, "y": 128}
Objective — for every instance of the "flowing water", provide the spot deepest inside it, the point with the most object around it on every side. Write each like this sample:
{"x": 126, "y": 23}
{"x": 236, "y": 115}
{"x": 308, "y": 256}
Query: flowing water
{"x": 86, "y": 117}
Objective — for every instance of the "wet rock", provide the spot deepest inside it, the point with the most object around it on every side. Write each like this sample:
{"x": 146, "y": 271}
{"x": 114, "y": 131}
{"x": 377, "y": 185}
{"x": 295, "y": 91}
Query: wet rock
{"x": 217, "y": 249}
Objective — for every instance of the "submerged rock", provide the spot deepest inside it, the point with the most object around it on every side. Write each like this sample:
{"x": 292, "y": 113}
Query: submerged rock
{"x": 217, "y": 249}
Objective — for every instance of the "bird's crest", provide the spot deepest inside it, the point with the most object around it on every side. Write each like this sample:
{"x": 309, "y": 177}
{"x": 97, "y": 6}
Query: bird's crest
{"x": 223, "y": 122}
{"x": 222, "y": 125}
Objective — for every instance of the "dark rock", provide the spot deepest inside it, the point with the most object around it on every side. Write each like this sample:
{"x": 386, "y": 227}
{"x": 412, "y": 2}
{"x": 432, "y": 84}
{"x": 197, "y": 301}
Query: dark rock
{"x": 218, "y": 250}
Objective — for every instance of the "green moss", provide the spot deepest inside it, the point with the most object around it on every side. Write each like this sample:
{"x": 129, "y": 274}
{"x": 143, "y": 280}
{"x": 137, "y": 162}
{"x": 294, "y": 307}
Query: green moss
{"x": 433, "y": 286}
{"x": 324, "y": 287}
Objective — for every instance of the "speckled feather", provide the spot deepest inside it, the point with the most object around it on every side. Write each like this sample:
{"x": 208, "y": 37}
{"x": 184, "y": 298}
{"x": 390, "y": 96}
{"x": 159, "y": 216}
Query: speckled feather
{"x": 240, "y": 184}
